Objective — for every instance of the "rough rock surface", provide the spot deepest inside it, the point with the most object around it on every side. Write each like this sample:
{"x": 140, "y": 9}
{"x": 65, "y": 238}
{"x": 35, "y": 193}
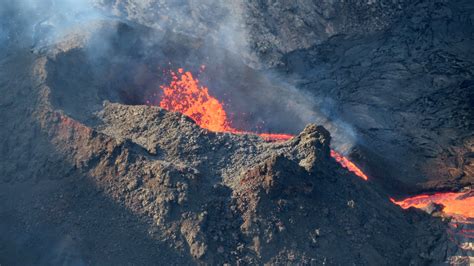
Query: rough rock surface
{"x": 88, "y": 179}
{"x": 278, "y": 27}
{"x": 153, "y": 183}
{"x": 270, "y": 28}
{"x": 408, "y": 91}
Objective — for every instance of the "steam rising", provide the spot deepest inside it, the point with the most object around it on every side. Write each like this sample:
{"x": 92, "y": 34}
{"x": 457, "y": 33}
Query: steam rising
{"x": 42, "y": 22}
{"x": 221, "y": 42}
{"x": 319, "y": 111}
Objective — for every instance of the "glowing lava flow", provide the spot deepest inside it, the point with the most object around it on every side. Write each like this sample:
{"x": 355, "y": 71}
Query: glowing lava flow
{"x": 348, "y": 164}
{"x": 185, "y": 95}
{"x": 458, "y": 205}
{"x": 275, "y": 137}
{"x": 455, "y": 204}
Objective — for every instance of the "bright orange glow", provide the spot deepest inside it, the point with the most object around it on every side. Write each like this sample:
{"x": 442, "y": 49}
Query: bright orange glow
{"x": 275, "y": 137}
{"x": 185, "y": 95}
{"x": 348, "y": 165}
{"x": 455, "y": 203}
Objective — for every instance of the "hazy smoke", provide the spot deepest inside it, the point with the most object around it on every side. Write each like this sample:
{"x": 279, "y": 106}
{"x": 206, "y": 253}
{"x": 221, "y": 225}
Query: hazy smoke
{"x": 266, "y": 96}
{"x": 321, "y": 111}
{"x": 217, "y": 36}
{"x": 42, "y": 22}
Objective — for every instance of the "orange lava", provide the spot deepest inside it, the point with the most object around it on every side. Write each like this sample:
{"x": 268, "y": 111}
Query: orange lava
{"x": 275, "y": 137}
{"x": 348, "y": 165}
{"x": 185, "y": 95}
{"x": 455, "y": 203}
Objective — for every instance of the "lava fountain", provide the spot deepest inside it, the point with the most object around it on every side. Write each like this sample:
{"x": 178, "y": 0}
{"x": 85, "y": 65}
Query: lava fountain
{"x": 187, "y": 96}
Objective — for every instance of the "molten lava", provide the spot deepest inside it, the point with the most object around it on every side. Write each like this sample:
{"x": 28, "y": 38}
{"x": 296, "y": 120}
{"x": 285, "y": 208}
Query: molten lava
{"x": 275, "y": 137}
{"x": 348, "y": 164}
{"x": 185, "y": 95}
{"x": 455, "y": 204}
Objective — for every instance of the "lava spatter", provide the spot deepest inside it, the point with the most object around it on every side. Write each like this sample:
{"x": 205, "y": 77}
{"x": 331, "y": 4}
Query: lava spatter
{"x": 185, "y": 95}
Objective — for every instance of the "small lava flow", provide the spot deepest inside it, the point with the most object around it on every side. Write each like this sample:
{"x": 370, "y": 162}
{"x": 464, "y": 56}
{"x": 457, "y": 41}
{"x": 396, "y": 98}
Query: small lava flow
{"x": 346, "y": 163}
{"x": 459, "y": 204}
{"x": 186, "y": 95}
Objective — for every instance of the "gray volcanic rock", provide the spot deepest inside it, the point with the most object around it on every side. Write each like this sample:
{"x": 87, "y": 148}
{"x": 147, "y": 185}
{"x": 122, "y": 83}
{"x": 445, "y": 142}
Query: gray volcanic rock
{"x": 90, "y": 175}
{"x": 279, "y": 27}
{"x": 262, "y": 31}
{"x": 408, "y": 91}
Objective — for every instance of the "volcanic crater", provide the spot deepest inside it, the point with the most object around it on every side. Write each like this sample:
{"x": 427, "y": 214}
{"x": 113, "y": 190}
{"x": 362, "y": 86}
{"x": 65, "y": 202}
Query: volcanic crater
{"x": 129, "y": 182}
{"x": 217, "y": 197}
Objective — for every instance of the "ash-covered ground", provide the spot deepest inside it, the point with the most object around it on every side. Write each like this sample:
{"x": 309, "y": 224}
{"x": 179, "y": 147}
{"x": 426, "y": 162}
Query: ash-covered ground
{"x": 90, "y": 175}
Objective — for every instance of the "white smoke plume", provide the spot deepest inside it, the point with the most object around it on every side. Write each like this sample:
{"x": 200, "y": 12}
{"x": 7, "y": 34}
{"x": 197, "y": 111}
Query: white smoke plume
{"x": 221, "y": 27}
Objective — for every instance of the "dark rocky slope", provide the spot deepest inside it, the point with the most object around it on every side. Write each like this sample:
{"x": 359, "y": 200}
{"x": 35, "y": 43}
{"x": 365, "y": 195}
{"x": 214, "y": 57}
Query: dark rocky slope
{"x": 144, "y": 185}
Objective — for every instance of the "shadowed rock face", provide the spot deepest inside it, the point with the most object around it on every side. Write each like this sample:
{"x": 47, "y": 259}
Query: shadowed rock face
{"x": 277, "y": 27}
{"x": 262, "y": 31}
